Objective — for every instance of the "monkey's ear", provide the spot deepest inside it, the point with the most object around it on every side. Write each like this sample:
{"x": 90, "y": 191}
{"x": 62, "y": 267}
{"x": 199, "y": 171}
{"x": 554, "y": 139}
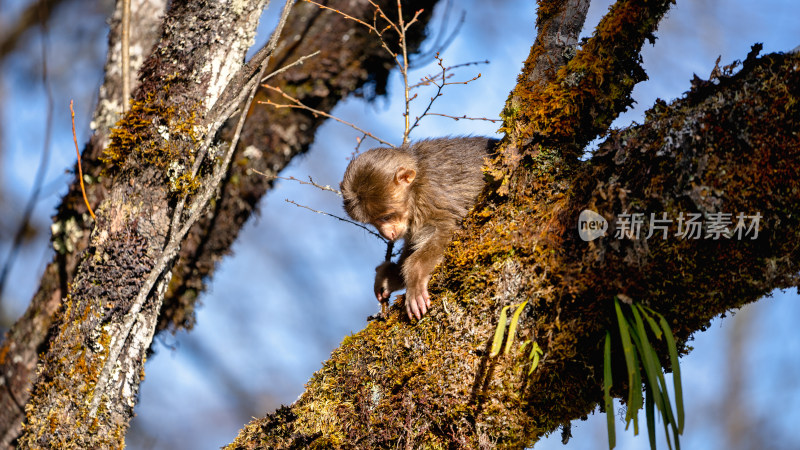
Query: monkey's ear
{"x": 404, "y": 176}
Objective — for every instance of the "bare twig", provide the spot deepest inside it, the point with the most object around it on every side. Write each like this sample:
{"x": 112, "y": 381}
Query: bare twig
{"x": 126, "y": 59}
{"x": 400, "y": 28}
{"x": 80, "y": 169}
{"x": 309, "y": 182}
{"x": 41, "y": 171}
{"x": 299, "y": 105}
{"x": 299, "y": 62}
{"x": 456, "y": 118}
{"x": 337, "y": 217}
{"x": 430, "y": 79}
{"x": 434, "y": 80}
{"x": 442, "y": 40}
{"x": 359, "y": 141}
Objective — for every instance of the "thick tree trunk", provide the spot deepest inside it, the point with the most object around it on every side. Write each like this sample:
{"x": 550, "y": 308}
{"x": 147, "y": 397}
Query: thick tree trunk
{"x": 729, "y": 146}
{"x": 20, "y": 350}
{"x": 90, "y": 375}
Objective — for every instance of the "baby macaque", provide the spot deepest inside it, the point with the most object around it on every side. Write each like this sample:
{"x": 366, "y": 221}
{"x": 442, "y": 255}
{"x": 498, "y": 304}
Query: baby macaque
{"x": 419, "y": 193}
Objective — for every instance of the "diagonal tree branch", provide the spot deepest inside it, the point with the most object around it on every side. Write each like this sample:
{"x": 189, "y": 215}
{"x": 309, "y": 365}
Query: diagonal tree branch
{"x": 588, "y": 92}
{"x": 729, "y": 146}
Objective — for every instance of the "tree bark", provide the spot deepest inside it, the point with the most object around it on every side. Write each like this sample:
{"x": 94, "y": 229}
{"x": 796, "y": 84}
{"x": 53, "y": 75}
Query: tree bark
{"x": 729, "y": 146}
{"x": 89, "y": 377}
{"x": 20, "y": 350}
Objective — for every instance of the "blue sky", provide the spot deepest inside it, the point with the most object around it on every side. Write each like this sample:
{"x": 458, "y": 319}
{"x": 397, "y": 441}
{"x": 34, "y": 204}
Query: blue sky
{"x": 299, "y": 282}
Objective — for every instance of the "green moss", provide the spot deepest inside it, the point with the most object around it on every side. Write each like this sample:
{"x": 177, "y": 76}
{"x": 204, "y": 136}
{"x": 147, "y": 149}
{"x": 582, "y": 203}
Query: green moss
{"x": 156, "y": 133}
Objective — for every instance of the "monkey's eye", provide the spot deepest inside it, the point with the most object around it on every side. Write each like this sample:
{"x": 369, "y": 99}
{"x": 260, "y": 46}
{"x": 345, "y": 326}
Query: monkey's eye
{"x": 385, "y": 218}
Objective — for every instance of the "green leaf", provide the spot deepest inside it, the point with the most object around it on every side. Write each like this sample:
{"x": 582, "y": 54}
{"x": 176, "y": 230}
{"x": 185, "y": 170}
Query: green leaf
{"x": 632, "y": 363}
{"x": 653, "y": 325}
{"x": 651, "y": 366}
{"x": 512, "y": 328}
{"x": 651, "y": 416}
{"x": 676, "y": 371}
{"x": 607, "y": 382}
{"x": 523, "y": 345}
{"x": 499, "y": 332}
{"x": 627, "y": 347}
{"x": 535, "y": 352}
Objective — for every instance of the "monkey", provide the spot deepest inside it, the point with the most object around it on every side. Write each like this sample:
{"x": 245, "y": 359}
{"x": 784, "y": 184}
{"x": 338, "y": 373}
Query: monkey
{"x": 418, "y": 193}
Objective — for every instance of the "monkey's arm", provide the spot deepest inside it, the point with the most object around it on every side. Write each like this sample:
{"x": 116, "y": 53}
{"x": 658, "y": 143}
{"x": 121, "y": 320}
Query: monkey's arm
{"x": 417, "y": 269}
{"x": 387, "y": 280}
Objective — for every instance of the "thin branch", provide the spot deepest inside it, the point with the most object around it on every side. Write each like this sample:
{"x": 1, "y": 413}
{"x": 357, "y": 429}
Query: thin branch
{"x": 430, "y": 79}
{"x": 80, "y": 169}
{"x": 440, "y": 43}
{"x": 309, "y": 182}
{"x": 346, "y": 16}
{"x": 340, "y": 218}
{"x": 299, "y": 62}
{"x": 41, "y": 171}
{"x": 400, "y": 28}
{"x": 126, "y": 58}
{"x": 299, "y": 105}
{"x": 439, "y": 87}
{"x": 457, "y": 118}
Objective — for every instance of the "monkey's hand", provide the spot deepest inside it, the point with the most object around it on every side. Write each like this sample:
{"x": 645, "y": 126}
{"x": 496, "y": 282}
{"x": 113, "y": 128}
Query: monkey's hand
{"x": 387, "y": 280}
{"x": 417, "y": 299}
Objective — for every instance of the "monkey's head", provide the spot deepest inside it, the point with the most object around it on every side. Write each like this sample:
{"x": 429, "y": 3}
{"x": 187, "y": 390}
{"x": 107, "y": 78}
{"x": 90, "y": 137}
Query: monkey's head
{"x": 377, "y": 190}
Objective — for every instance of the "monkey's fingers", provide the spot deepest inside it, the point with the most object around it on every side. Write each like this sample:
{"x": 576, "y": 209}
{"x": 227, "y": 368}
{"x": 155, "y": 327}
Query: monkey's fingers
{"x": 415, "y": 303}
{"x": 411, "y": 308}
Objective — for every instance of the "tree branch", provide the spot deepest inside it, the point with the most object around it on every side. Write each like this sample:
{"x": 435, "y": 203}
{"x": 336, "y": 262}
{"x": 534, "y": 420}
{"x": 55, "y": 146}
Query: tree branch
{"x": 729, "y": 146}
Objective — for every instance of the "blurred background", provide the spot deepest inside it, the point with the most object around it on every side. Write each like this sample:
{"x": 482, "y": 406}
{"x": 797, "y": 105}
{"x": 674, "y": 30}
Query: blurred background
{"x": 299, "y": 282}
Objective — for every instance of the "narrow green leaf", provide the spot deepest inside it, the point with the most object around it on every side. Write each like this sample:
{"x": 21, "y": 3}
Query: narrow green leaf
{"x": 632, "y": 362}
{"x": 499, "y": 332}
{"x": 651, "y": 417}
{"x": 512, "y": 327}
{"x": 651, "y": 366}
{"x": 658, "y": 384}
{"x": 627, "y": 348}
{"x": 523, "y": 345}
{"x": 607, "y": 382}
{"x": 535, "y": 353}
{"x": 653, "y": 325}
{"x": 676, "y": 371}
{"x": 666, "y": 408}
{"x": 635, "y": 390}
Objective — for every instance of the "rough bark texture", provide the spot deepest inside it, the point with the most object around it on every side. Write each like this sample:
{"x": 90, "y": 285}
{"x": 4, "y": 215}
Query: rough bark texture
{"x": 89, "y": 377}
{"x": 730, "y": 146}
{"x": 28, "y": 337}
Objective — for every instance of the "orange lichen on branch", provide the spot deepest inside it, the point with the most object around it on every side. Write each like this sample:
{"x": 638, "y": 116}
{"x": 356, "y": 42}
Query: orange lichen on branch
{"x": 589, "y": 91}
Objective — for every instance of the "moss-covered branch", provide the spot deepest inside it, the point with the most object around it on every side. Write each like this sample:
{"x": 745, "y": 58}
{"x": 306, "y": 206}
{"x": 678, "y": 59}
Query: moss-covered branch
{"x": 588, "y": 92}
{"x": 729, "y": 146}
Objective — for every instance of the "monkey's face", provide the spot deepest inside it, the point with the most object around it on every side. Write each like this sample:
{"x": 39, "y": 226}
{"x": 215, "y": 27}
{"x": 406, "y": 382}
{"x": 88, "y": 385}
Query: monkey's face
{"x": 392, "y": 224}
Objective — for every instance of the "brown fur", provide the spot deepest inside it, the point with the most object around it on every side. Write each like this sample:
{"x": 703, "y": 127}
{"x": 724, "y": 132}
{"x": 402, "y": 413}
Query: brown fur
{"x": 446, "y": 177}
